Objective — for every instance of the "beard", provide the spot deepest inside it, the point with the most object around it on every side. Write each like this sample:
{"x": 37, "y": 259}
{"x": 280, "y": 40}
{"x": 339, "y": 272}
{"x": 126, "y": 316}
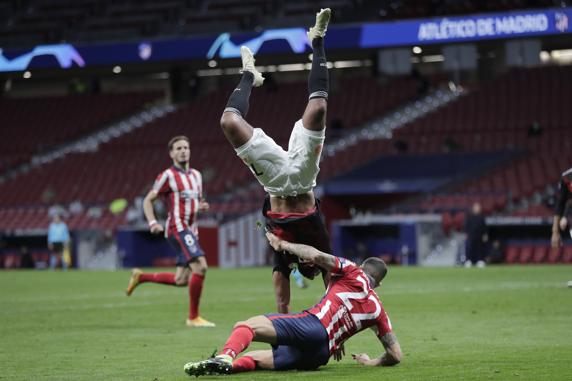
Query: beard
{"x": 183, "y": 162}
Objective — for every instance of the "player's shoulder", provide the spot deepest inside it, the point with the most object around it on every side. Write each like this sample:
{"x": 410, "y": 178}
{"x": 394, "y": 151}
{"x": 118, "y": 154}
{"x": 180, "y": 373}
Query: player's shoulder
{"x": 567, "y": 174}
{"x": 165, "y": 172}
{"x": 348, "y": 269}
{"x": 345, "y": 264}
{"x": 163, "y": 176}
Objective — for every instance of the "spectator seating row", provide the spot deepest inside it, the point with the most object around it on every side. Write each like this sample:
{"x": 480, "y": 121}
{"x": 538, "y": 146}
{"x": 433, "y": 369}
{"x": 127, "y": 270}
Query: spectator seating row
{"x": 50, "y": 21}
{"x": 13, "y": 260}
{"x": 539, "y": 253}
{"x": 38, "y": 218}
{"x": 463, "y": 201}
{"x": 524, "y": 110}
{"x": 33, "y": 125}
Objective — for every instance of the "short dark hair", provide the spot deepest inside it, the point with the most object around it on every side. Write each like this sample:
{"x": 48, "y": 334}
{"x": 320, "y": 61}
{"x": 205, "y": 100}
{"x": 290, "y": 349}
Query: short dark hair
{"x": 176, "y": 139}
{"x": 375, "y": 267}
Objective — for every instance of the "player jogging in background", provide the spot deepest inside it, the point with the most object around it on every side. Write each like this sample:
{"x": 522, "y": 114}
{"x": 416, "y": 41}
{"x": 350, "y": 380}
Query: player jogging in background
{"x": 307, "y": 340}
{"x": 289, "y": 177}
{"x": 560, "y": 222}
{"x": 181, "y": 187}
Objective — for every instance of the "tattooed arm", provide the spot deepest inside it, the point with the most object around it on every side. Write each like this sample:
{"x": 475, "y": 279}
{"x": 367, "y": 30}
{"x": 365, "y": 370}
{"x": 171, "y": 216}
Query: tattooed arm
{"x": 392, "y": 355}
{"x": 304, "y": 252}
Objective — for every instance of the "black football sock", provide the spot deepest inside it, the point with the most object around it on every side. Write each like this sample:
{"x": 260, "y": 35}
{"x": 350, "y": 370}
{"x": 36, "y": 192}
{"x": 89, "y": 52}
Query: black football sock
{"x": 238, "y": 100}
{"x": 318, "y": 82}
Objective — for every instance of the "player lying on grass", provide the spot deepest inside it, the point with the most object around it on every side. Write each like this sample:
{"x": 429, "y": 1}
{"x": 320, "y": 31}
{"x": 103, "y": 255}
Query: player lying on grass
{"x": 307, "y": 340}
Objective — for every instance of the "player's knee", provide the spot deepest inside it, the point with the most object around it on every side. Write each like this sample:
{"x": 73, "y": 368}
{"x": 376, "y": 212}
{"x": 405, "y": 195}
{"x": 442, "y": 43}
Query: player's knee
{"x": 229, "y": 121}
{"x": 321, "y": 106}
{"x": 251, "y": 323}
{"x": 242, "y": 323}
{"x": 317, "y": 114}
{"x": 200, "y": 268}
{"x": 181, "y": 281}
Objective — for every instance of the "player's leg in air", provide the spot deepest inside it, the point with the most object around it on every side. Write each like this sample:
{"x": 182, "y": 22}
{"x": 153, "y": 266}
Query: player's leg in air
{"x": 238, "y": 131}
{"x": 290, "y": 175}
{"x": 308, "y": 135}
{"x": 314, "y": 118}
{"x": 235, "y": 127}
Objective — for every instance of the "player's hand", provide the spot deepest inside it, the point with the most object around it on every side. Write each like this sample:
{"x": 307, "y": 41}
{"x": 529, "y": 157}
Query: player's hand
{"x": 156, "y": 228}
{"x": 203, "y": 206}
{"x": 339, "y": 353}
{"x": 362, "y": 358}
{"x": 563, "y": 223}
{"x": 556, "y": 241}
{"x": 274, "y": 241}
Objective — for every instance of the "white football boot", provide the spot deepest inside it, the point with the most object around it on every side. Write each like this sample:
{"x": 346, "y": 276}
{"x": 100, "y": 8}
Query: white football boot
{"x": 322, "y": 20}
{"x": 248, "y": 65}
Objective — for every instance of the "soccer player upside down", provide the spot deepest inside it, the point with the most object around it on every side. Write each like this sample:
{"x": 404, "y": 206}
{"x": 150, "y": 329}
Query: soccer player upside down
{"x": 291, "y": 210}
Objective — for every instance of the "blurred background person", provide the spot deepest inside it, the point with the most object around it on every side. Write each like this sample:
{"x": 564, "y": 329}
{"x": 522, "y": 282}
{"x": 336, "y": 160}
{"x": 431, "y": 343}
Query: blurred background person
{"x": 58, "y": 241}
{"x": 477, "y": 237}
{"x": 560, "y": 221}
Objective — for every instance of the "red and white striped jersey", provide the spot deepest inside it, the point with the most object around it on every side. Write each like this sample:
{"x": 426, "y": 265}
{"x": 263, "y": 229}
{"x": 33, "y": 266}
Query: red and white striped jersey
{"x": 183, "y": 192}
{"x": 350, "y": 305}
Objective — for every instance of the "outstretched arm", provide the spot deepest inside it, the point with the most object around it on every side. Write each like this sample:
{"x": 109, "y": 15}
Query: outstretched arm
{"x": 392, "y": 355}
{"x": 304, "y": 252}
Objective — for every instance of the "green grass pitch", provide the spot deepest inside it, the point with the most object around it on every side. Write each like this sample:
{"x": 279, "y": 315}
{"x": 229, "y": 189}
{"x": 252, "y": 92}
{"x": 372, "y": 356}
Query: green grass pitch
{"x": 498, "y": 323}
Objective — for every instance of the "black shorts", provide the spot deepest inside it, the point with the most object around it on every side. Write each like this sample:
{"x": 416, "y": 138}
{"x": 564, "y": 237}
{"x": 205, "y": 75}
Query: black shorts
{"x": 58, "y": 247}
{"x": 308, "y": 230}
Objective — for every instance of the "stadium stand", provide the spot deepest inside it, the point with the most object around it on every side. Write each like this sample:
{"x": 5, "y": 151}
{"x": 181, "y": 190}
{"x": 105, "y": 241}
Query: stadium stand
{"x": 481, "y": 122}
{"x": 471, "y": 121}
{"x": 115, "y": 174}
{"x": 35, "y": 125}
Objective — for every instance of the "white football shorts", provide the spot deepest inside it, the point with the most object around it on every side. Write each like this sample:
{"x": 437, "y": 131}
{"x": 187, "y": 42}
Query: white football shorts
{"x": 284, "y": 173}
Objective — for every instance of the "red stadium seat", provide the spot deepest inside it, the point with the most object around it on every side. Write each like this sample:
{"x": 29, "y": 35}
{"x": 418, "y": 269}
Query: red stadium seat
{"x": 512, "y": 254}
{"x": 525, "y": 254}
{"x": 567, "y": 254}
{"x": 459, "y": 221}
{"x": 447, "y": 222}
{"x": 554, "y": 255}
{"x": 540, "y": 254}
